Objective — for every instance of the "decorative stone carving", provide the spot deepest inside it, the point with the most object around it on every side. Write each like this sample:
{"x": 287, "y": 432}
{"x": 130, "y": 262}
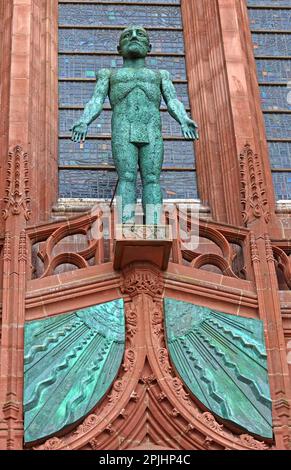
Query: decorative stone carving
{"x": 252, "y": 443}
{"x": 131, "y": 322}
{"x": 110, "y": 429}
{"x": 142, "y": 279}
{"x": 222, "y": 257}
{"x": 283, "y": 262}
{"x": 95, "y": 444}
{"x": 188, "y": 428}
{"x": 88, "y": 424}
{"x": 158, "y": 322}
{"x": 164, "y": 360}
{"x": 117, "y": 389}
{"x": 134, "y": 396}
{"x": 148, "y": 379}
{"x": 208, "y": 442}
{"x": 208, "y": 419}
{"x": 129, "y": 359}
{"x": 53, "y": 252}
{"x": 162, "y": 396}
{"x": 253, "y": 192}
{"x": 51, "y": 444}
{"x": 269, "y": 249}
{"x": 254, "y": 249}
{"x": 7, "y": 247}
{"x": 175, "y": 413}
{"x": 17, "y": 198}
{"x": 123, "y": 413}
{"x": 22, "y": 249}
{"x": 11, "y": 410}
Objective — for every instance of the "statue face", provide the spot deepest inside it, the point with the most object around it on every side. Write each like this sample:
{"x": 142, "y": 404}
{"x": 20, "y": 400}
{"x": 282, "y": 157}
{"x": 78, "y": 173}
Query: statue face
{"x": 134, "y": 43}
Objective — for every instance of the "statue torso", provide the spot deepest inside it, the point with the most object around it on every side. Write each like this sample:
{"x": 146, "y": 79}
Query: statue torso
{"x": 135, "y": 97}
{"x": 137, "y": 92}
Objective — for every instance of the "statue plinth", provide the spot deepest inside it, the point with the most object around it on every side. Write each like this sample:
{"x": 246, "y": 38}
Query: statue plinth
{"x": 142, "y": 243}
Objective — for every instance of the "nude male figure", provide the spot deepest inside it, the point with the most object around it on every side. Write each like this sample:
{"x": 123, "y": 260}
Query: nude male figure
{"x": 135, "y": 93}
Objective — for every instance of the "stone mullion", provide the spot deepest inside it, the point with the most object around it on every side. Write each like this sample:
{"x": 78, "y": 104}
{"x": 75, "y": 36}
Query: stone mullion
{"x": 43, "y": 105}
{"x": 202, "y": 105}
{"x": 225, "y": 100}
{"x": 6, "y": 12}
{"x": 49, "y": 114}
{"x": 216, "y": 153}
{"x": 282, "y": 402}
{"x": 15, "y": 267}
{"x": 31, "y": 94}
{"x": 14, "y": 282}
{"x": 4, "y": 422}
{"x": 245, "y": 101}
{"x": 227, "y": 154}
{"x": 257, "y": 116}
{"x": 14, "y": 180}
{"x": 270, "y": 314}
{"x": 35, "y": 104}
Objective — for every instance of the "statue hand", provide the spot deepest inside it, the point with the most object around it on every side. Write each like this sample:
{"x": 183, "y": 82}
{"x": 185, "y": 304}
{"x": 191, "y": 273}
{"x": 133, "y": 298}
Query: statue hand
{"x": 79, "y": 132}
{"x": 190, "y": 129}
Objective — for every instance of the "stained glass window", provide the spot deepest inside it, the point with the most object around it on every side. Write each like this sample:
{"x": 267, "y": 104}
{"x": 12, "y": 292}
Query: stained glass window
{"x": 88, "y": 36}
{"x": 271, "y": 28}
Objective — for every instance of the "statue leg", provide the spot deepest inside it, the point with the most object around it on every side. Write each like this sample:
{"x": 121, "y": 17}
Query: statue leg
{"x": 125, "y": 156}
{"x": 150, "y": 163}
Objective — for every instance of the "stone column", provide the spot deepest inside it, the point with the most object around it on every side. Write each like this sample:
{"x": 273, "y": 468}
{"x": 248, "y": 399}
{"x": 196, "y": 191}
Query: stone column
{"x": 29, "y": 96}
{"x": 28, "y": 137}
{"x": 225, "y": 100}
{"x": 16, "y": 213}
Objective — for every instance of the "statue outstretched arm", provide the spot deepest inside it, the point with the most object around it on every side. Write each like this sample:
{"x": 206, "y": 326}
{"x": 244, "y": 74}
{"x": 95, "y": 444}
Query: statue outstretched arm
{"x": 93, "y": 108}
{"x": 176, "y": 108}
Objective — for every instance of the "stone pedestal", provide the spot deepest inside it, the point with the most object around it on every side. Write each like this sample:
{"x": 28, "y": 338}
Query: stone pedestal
{"x": 142, "y": 243}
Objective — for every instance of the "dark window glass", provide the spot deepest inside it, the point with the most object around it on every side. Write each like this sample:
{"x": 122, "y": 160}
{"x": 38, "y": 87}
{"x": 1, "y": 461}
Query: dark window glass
{"x": 270, "y": 19}
{"x": 272, "y": 71}
{"x": 264, "y": 3}
{"x": 277, "y": 45}
{"x": 280, "y": 154}
{"x": 121, "y": 15}
{"x": 271, "y": 26}
{"x": 275, "y": 97}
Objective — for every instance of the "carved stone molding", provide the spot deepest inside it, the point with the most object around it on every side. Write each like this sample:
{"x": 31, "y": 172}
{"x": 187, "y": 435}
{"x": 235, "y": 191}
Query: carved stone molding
{"x": 210, "y": 421}
{"x": 54, "y": 251}
{"x": 51, "y": 444}
{"x": 11, "y": 410}
{"x": 7, "y": 247}
{"x": 17, "y": 198}
{"x": 253, "y": 191}
{"x": 252, "y": 443}
{"x": 142, "y": 279}
{"x": 22, "y": 248}
{"x": 269, "y": 249}
{"x": 254, "y": 249}
{"x": 283, "y": 262}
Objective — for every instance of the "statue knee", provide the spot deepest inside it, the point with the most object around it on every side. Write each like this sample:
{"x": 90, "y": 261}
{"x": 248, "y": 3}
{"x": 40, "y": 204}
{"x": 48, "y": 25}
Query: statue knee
{"x": 128, "y": 177}
{"x": 151, "y": 178}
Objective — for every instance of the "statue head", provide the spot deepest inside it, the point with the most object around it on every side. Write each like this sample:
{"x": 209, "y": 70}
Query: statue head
{"x": 134, "y": 43}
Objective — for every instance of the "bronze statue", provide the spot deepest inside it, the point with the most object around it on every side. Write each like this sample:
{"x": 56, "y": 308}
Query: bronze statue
{"x": 135, "y": 93}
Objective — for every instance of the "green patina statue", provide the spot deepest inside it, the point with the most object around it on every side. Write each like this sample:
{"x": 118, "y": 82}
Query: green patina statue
{"x": 135, "y": 93}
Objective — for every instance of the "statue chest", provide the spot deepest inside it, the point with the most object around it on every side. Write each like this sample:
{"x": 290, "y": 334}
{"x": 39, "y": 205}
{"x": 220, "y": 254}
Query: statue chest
{"x": 141, "y": 85}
